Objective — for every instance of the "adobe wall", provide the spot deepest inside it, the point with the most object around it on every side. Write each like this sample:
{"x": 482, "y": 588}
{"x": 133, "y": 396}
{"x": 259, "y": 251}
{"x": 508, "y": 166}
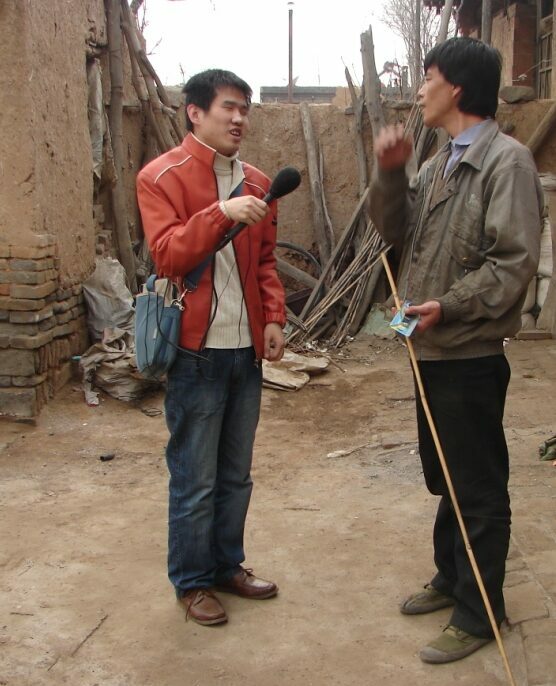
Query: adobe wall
{"x": 17, "y": 182}
{"x": 47, "y": 187}
{"x": 46, "y": 196}
{"x": 276, "y": 140}
{"x": 50, "y": 185}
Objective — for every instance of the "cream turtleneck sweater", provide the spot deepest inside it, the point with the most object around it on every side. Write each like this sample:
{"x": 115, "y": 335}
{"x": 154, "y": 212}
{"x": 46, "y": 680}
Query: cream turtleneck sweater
{"x": 230, "y": 324}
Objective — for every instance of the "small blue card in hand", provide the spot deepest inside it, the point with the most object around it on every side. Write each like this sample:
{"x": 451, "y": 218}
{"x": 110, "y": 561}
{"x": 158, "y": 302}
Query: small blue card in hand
{"x": 403, "y": 323}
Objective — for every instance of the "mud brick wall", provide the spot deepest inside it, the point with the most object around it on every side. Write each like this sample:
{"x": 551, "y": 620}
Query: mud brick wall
{"x": 42, "y": 325}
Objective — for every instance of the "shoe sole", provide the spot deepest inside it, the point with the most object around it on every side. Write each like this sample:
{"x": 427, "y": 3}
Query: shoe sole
{"x": 208, "y": 622}
{"x": 263, "y": 596}
{"x": 423, "y": 609}
{"x": 436, "y": 657}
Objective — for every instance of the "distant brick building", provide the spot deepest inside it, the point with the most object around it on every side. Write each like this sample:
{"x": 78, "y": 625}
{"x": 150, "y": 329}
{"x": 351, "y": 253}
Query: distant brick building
{"x": 523, "y": 32}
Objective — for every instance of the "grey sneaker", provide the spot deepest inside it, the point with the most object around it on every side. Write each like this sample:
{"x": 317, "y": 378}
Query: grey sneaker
{"x": 452, "y": 644}
{"x": 427, "y": 600}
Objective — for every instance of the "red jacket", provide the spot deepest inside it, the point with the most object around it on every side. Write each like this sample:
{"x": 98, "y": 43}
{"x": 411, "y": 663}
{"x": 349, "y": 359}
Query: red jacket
{"x": 183, "y": 223}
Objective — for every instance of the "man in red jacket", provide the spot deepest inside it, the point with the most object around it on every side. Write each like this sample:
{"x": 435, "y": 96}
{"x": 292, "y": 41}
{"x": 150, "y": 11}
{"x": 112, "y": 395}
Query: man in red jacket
{"x": 189, "y": 198}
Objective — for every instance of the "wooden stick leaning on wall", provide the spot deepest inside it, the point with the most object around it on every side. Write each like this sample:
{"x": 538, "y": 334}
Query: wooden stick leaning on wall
{"x": 371, "y": 99}
{"x": 325, "y": 240}
{"x": 328, "y": 222}
{"x": 372, "y": 82}
{"x": 543, "y": 129}
{"x": 345, "y": 237}
{"x": 448, "y": 479}
{"x": 166, "y": 104}
{"x": 119, "y": 208}
{"x": 358, "y": 105}
{"x": 142, "y": 93}
{"x": 137, "y": 54}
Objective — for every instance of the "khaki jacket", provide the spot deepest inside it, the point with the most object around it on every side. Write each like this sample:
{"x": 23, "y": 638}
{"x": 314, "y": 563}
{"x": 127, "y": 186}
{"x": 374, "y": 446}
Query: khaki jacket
{"x": 474, "y": 246}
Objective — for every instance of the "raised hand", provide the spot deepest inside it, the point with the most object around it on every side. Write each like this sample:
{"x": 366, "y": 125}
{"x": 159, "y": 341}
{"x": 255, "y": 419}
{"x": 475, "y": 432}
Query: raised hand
{"x": 393, "y": 147}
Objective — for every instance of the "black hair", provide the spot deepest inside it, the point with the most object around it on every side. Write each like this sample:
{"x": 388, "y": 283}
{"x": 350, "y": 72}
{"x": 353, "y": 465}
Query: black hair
{"x": 202, "y": 88}
{"x": 473, "y": 65}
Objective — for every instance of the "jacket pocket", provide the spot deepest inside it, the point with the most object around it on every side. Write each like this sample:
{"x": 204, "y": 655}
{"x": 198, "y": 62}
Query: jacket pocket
{"x": 466, "y": 255}
{"x": 466, "y": 241}
{"x": 466, "y": 246}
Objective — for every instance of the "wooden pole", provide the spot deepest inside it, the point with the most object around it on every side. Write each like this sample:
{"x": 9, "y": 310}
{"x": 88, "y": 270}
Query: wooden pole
{"x": 358, "y": 104}
{"x": 116, "y": 133}
{"x": 290, "y": 52}
{"x": 543, "y": 129}
{"x": 372, "y": 82}
{"x": 448, "y": 479}
{"x": 486, "y": 21}
{"x": 295, "y": 273}
{"x": 164, "y": 123}
{"x": 324, "y": 240}
{"x": 417, "y": 38}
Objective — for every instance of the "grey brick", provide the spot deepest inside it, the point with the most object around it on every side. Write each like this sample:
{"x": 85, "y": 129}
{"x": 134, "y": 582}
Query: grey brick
{"x": 29, "y": 317}
{"x": 17, "y": 329}
{"x": 33, "y": 292}
{"x": 32, "y": 265}
{"x": 28, "y": 381}
{"x": 18, "y": 362}
{"x": 18, "y": 402}
{"x": 21, "y": 304}
{"x": 31, "y": 342}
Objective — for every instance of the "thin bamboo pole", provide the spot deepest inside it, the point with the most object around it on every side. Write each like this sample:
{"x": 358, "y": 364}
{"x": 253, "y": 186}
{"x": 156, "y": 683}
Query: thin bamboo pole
{"x": 448, "y": 479}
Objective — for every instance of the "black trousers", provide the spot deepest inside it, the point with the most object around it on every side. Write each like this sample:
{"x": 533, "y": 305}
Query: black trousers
{"x": 466, "y": 399}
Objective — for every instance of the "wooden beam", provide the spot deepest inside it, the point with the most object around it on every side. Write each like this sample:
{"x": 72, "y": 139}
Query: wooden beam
{"x": 543, "y": 129}
{"x": 295, "y": 273}
{"x": 372, "y": 82}
{"x": 123, "y": 238}
{"x": 486, "y": 22}
{"x": 358, "y": 104}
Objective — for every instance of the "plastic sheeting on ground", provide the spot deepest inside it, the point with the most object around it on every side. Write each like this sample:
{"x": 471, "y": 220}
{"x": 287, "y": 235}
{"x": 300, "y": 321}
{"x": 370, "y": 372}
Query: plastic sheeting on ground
{"x": 110, "y": 365}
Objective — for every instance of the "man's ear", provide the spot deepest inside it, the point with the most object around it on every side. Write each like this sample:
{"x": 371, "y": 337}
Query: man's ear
{"x": 458, "y": 91}
{"x": 194, "y": 113}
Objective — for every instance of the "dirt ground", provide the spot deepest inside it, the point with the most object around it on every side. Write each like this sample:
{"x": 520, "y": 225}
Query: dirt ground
{"x": 84, "y": 595}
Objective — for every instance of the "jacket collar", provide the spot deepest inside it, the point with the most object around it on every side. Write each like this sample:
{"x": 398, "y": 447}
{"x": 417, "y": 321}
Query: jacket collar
{"x": 476, "y": 152}
{"x": 204, "y": 153}
{"x": 191, "y": 145}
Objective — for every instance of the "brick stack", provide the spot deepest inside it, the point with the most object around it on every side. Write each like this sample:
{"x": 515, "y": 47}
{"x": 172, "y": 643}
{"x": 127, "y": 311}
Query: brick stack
{"x": 42, "y": 324}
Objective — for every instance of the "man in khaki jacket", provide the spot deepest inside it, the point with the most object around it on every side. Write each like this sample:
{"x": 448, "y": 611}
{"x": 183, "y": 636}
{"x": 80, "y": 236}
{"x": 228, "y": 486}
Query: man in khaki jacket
{"x": 467, "y": 230}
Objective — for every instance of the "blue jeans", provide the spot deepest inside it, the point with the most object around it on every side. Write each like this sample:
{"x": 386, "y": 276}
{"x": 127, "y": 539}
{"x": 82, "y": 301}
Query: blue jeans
{"x": 212, "y": 410}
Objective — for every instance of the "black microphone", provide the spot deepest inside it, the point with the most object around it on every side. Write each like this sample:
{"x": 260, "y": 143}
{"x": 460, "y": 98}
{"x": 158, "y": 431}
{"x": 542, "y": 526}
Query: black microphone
{"x": 285, "y": 181}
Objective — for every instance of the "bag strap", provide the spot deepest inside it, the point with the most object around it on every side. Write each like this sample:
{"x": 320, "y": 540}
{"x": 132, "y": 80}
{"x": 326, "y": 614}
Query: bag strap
{"x": 150, "y": 282}
{"x": 191, "y": 280}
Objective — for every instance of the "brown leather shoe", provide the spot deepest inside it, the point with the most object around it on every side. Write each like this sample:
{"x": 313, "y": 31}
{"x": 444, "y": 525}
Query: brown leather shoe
{"x": 246, "y": 585}
{"x": 203, "y": 607}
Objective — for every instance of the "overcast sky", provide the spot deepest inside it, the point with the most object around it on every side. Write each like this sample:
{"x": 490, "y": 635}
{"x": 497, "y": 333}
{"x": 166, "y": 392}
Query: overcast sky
{"x": 250, "y": 37}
